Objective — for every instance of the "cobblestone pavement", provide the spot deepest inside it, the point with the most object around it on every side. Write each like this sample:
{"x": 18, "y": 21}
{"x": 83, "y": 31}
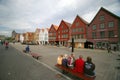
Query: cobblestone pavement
{"x": 107, "y": 64}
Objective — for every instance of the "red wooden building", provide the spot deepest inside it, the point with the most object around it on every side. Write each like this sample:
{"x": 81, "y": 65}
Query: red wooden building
{"x": 79, "y": 32}
{"x": 104, "y": 30}
{"x": 53, "y": 34}
{"x": 64, "y": 33}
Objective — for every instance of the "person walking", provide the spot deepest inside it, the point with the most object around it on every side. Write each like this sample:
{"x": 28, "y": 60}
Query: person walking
{"x": 109, "y": 50}
{"x": 6, "y": 44}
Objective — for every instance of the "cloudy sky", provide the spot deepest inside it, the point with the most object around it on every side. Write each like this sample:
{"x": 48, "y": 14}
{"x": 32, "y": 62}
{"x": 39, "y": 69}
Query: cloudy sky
{"x": 27, "y": 15}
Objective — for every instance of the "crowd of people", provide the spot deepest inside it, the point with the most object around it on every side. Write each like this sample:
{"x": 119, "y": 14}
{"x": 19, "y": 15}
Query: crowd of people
{"x": 77, "y": 65}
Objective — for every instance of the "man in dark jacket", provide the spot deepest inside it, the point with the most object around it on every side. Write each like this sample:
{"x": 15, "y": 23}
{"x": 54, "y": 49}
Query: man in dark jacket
{"x": 64, "y": 61}
{"x": 89, "y": 67}
{"x": 27, "y": 49}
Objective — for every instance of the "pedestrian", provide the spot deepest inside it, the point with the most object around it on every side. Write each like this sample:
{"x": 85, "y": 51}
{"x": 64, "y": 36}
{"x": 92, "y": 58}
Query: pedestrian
{"x": 59, "y": 59}
{"x": 27, "y": 49}
{"x": 64, "y": 62}
{"x": 14, "y": 42}
{"x": 6, "y": 44}
{"x": 89, "y": 67}
{"x": 115, "y": 48}
{"x": 109, "y": 50}
{"x": 79, "y": 65}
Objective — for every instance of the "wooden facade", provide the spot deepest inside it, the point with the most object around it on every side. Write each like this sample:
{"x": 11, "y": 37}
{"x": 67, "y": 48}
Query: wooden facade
{"x": 36, "y": 36}
{"x": 64, "y": 33}
{"x": 17, "y": 37}
{"x": 53, "y": 35}
{"x": 79, "y": 32}
{"x": 29, "y": 36}
{"x": 104, "y": 30}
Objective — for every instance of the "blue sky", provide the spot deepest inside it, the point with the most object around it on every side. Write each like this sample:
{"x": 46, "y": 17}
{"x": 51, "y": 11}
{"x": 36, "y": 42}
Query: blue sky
{"x": 27, "y": 15}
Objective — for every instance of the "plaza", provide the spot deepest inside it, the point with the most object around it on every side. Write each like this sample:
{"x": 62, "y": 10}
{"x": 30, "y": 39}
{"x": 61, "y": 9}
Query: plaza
{"x": 107, "y": 64}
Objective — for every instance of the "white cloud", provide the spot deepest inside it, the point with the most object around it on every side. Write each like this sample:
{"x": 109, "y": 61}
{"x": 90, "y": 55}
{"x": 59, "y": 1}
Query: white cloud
{"x": 89, "y": 16}
{"x": 26, "y": 15}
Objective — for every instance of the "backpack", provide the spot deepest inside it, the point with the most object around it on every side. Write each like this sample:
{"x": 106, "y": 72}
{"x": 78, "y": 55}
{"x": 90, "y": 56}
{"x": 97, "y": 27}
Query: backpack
{"x": 89, "y": 68}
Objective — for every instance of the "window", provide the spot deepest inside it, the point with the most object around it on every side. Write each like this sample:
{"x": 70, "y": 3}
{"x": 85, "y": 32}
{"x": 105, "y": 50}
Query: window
{"x": 102, "y": 34}
{"x": 98, "y": 44}
{"x": 111, "y": 34}
{"x": 93, "y": 35}
{"x": 80, "y": 29}
{"x": 66, "y": 35}
{"x": 94, "y": 27}
{"x": 101, "y": 18}
{"x": 111, "y": 24}
{"x": 102, "y": 26}
{"x": 78, "y": 36}
{"x": 73, "y": 30}
{"x": 59, "y": 36}
{"x": 77, "y": 24}
{"x": 81, "y": 36}
{"x": 73, "y": 36}
{"x": 58, "y": 32}
{"x": 66, "y": 30}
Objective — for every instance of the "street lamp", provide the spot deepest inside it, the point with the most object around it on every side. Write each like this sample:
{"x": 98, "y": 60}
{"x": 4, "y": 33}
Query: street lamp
{"x": 72, "y": 44}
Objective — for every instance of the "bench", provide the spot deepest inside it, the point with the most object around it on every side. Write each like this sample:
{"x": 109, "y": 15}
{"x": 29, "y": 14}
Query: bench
{"x": 35, "y": 55}
{"x": 79, "y": 75}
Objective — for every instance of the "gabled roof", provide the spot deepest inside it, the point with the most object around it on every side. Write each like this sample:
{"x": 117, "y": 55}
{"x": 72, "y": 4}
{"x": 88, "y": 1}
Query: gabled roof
{"x": 105, "y": 10}
{"x": 82, "y": 19}
{"x": 30, "y": 32}
{"x": 47, "y": 29}
{"x": 42, "y": 30}
{"x": 37, "y": 30}
{"x": 68, "y": 24}
{"x": 55, "y": 26}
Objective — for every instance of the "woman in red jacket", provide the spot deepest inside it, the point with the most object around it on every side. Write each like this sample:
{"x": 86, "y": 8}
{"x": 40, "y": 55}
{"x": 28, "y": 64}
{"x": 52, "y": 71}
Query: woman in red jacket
{"x": 79, "y": 65}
